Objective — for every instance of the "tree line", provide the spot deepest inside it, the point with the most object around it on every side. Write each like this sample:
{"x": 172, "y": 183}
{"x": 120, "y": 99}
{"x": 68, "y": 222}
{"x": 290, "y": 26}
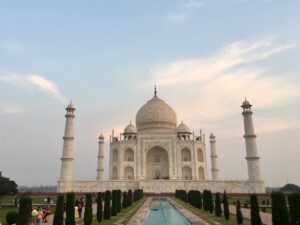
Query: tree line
{"x": 212, "y": 203}
{"x": 109, "y": 204}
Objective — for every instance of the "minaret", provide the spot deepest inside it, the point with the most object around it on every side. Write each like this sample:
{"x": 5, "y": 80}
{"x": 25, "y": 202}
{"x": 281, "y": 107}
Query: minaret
{"x": 214, "y": 157}
{"x": 100, "y": 168}
{"x": 65, "y": 181}
{"x": 256, "y": 184}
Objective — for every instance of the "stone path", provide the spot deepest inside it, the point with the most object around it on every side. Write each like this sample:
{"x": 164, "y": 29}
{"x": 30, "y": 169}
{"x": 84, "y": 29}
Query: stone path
{"x": 140, "y": 216}
{"x": 266, "y": 218}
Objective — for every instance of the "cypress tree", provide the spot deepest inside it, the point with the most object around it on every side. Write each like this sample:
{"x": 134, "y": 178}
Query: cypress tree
{"x": 88, "y": 212}
{"x": 114, "y": 203}
{"x": 59, "y": 211}
{"x": 205, "y": 200}
{"x": 129, "y": 197}
{"x": 107, "y": 205}
{"x": 210, "y": 202}
{"x": 24, "y": 211}
{"x": 294, "y": 203}
{"x": 99, "y": 207}
{"x": 124, "y": 202}
{"x": 200, "y": 200}
{"x": 119, "y": 206}
{"x": 218, "y": 208}
{"x": 226, "y": 206}
{"x": 70, "y": 212}
{"x": 279, "y": 209}
{"x": 239, "y": 215}
{"x": 255, "y": 217}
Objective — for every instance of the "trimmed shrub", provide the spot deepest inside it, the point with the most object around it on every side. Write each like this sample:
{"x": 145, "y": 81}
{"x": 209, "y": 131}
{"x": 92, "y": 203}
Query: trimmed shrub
{"x": 129, "y": 197}
{"x": 11, "y": 217}
{"x": 279, "y": 209}
{"x": 70, "y": 212}
{"x": 125, "y": 199}
{"x": 114, "y": 203}
{"x": 59, "y": 211}
{"x": 218, "y": 208}
{"x": 255, "y": 217}
{"x": 210, "y": 202}
{"x": 24, "y": 211}
{"x": 206, "y": 200}
{"x": 226, "y": 206}
{"x": 88, "y": 212}
{"x": 294, "y": 203}
{"x": 107, "y": 205}
{"x": 99, "y": 207}
{"x": 239, "y": 215}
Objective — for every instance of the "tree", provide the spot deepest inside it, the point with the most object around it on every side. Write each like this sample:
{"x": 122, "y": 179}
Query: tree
{"x": 218, "y": 208}
{"x": 255, "y": 217}
{"x": 70, "y": 212}
{"x": 11, "y": 217}
{"x": 7, "y": 186}
{"x": 279, "y": 209}
{"x": 88, "y": 212}
{"x": 59, "y": 211}
{"x": 124, "y": 202}
{"x": 206, "y": 200}
{"x": 114, "y": 203}
{"x": 107, "y": 205}
{"x": 24, "y": 211}
{"x": 239, "y": 215}
{"x": 119, "y": 201}
{"x": 294, "y": 203}
{"x": 226, "y": 206}
{"x": 129, "y": 197}
{"x": 99, "y": 207}
{"x": 210, "y": 202}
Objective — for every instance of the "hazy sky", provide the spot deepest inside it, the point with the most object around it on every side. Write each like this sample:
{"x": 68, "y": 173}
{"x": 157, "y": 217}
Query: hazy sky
{"x": 106, "y": 56}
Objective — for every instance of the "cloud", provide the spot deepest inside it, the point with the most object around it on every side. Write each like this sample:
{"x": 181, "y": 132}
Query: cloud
{"x": 214, "y": 86}
{"x": 9, "y": 110}
{"x": 185, "y": 9}
{"x": 34, "y": 81}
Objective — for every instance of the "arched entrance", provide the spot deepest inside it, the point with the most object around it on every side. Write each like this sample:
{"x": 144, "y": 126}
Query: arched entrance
{"x": 157, "y": 164}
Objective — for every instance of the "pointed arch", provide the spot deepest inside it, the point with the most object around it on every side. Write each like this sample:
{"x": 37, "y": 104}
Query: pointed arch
{"x": 201, "y": 173}
{"x": 128, "y": 173}
{"x": 200, "y": 156}
{"x": 186, "y": 155}
{"x": 129, "y": 155}
{"x": 186, "y": 173}
{"x": 115, "y": 173}
{"x": 115, "y": 155}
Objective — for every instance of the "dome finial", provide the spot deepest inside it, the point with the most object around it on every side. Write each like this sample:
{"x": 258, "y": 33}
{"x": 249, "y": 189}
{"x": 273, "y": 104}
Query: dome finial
{"x": 155, "y": 91}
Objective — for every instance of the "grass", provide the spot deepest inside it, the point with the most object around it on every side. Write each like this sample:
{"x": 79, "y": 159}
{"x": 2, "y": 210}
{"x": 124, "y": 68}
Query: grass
{"x": 7, "y": 200}
{"x": 3, "y": 212}
{"x": 210, "y": 217}
{"x": 125, "y": 215}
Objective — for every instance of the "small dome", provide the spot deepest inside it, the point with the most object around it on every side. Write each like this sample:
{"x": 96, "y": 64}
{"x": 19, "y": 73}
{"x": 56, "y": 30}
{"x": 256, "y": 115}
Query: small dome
{"x": 182, "y": 128}
{"x": 130, "y": 129}
{"x": 212, "y": 136}
{"x": 70, "y": 106}
{"x": 156, "y": 115}
{"x": 246, "y": 104}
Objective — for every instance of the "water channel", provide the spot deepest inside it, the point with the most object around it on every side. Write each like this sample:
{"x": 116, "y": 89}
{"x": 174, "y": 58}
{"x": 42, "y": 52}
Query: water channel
{"x": 161, "y": 212}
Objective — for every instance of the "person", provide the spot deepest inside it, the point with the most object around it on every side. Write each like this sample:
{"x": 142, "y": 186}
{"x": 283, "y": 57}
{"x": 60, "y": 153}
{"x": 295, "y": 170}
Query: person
{"x": 79, "y": 209}
{"x": 40, "y": 216}
{"x": 48, "y": 200}
{"x": 76, "y": 214}
{"x": 46, "y": 215}
{"x": 34, "y": 214}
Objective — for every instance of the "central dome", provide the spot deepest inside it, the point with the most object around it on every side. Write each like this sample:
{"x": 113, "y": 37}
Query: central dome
{"x": 156, "y": 115}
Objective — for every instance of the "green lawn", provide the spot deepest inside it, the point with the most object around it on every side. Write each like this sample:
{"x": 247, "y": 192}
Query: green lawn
{"x": 7, "y": 200}
{"x": 3, "y": 212}
{"x": 125, "y": 214}
{"x": 210, "y": 217}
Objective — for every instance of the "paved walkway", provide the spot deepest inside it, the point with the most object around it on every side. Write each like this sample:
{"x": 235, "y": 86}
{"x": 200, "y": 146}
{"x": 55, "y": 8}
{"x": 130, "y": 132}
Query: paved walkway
{"x": 266, "y": 218}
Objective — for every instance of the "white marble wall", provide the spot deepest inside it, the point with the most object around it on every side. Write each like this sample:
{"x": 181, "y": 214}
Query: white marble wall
{"x": 163, "y": 186}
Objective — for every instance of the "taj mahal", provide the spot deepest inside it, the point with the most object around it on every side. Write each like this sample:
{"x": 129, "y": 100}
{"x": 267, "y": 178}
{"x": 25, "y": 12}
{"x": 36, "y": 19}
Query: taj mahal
{"x": 159, "y": 155}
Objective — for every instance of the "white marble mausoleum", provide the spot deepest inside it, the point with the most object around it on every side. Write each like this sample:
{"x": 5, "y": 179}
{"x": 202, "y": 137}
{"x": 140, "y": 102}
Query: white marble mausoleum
{"x": 160, "y": 156}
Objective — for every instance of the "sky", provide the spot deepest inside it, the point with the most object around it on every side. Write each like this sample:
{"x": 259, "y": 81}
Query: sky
{"x": 205, "y": 56}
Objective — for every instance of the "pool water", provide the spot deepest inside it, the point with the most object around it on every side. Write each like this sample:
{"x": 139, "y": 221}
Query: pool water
{"x": 161, "y": 212}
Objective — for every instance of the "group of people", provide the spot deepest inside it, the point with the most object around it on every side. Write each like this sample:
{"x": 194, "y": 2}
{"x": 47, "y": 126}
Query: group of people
{"x": 78, "y": 208}
{"x": 40, "y": 215}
